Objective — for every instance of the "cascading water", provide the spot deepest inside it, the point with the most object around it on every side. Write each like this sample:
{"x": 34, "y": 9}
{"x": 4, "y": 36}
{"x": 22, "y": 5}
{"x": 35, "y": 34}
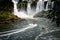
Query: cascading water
{"x": 40, "y": 6}
{"x": 21, "y": 14}
{"x": 29, "y": 8}
{"x": 30, "y": 12}
{"x": 49, "y": 5}
{"x": 15, "y": 6}
{"x": 52, "y": 4}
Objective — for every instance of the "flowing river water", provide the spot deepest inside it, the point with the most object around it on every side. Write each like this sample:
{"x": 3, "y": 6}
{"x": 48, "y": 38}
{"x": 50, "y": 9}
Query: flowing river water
{"x": 31, "y": 29}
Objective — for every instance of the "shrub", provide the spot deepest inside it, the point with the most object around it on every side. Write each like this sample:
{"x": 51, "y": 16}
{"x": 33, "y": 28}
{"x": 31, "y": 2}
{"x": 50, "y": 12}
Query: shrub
{"x": 6, "y": 15}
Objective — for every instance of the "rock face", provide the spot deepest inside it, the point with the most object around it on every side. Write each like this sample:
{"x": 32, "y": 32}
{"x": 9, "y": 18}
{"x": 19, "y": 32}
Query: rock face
{"x": 16, "y": 19}
{"x": 41, "y": 14}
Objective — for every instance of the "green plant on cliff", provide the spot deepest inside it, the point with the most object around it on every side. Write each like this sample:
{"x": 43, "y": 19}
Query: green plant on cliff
{"x": 6, "y": 15}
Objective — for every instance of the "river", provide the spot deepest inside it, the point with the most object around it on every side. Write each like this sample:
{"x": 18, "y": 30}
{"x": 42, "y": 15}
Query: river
{"x": 26, "y": 30}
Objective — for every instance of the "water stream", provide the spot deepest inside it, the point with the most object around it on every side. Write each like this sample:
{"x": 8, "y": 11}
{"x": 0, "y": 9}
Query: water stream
{"x": 27, "y": 30}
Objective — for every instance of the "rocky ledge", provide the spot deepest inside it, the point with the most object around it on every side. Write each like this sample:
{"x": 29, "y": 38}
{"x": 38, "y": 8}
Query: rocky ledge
{"x": 12, "y": 20}
{"x": 42, "y": 14}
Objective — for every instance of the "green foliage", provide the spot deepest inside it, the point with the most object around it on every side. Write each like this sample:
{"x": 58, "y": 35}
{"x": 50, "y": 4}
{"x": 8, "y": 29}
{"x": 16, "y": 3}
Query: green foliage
{"x": 6, "y": 15}
{"x": 45, "y": 12}
{"x": 54, "y": 15}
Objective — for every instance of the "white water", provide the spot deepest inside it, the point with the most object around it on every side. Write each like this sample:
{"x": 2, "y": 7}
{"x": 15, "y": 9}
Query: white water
{"x": 29, "y": 8}
{"x": 30, "y": 12}
{"x": 21, "y": 14}
{"x": 40, "y": 6}
{"x": 20, "y": 30}
{"x": 52, "y": 4}
{"x": 49, "y": 3}
{"x": 47, "y": 7}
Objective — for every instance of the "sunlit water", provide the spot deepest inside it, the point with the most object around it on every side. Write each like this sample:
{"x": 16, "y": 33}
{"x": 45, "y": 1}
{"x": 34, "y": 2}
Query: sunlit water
{"x": 26, "y": 30}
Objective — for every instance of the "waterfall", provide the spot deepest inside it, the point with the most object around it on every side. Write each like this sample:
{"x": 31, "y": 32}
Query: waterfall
{"x": 30, "y": 12}
{"x": 46, "y": 7}
{"x": 21, "y": 14}
{"x": 29, "y": 9}
{"x": 52, "y": 4}
{"x": 40, "y": 6}
{"x": 15, "y": 6}
{"x": 49, "y": 5}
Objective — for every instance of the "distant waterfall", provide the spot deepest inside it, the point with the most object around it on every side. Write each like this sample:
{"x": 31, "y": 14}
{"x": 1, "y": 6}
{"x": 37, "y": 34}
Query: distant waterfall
{"x": 29, "y": 8}
{"x": 40, "y": 6}
{"x": 52, "y": 4}
{"x": 49, "y": 5}
{"x": 15, "y": 6}
{"x": 30, "y": 12}
{"x": 46, "y": 7}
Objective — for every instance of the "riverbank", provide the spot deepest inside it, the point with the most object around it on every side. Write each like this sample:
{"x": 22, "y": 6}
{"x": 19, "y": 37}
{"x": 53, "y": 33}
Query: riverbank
{"x": 6, "y": 25}
{"x": 13, "y": 20}
{"x": 42, "y": 14}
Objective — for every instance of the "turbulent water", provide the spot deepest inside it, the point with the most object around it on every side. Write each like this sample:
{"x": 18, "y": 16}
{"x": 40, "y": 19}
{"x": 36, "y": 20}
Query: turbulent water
{"x": 26, "y": 31}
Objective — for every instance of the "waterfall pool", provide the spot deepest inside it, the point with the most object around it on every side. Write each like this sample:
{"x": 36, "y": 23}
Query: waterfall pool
{"x": 31, "y": 29}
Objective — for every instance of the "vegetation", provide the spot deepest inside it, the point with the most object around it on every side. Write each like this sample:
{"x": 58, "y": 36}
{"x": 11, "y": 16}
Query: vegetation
{"x": 8, "y": 18}
{"x": 6, "y": 15}
{"x": 55, "y": 13}
{"x": 55, "y": 16}
{"x": 6, "y": 9}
